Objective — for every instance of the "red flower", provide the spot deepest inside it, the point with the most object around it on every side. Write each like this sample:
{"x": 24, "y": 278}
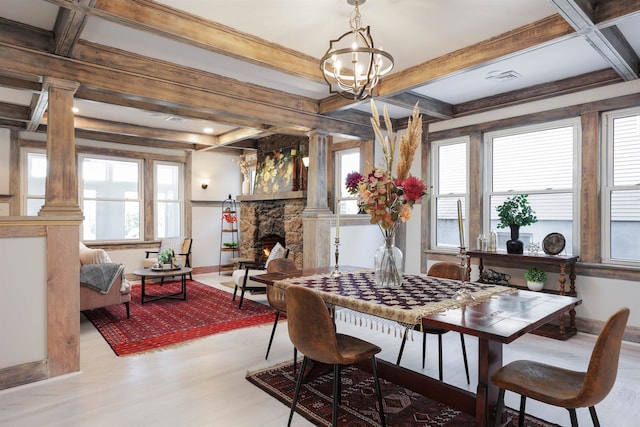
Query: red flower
{"x": 352, "y": 182}
{"x": 414, "y": 189}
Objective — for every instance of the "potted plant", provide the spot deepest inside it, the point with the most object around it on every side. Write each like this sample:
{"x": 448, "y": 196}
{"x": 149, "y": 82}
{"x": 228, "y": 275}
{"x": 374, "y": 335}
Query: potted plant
{"x": 535, "y": 278}
{"x": 514, "y": 213}
{"x": 165, "y": 258}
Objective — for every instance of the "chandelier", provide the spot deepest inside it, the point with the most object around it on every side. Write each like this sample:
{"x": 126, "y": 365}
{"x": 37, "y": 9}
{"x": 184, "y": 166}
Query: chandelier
{"x": 352, "y": 66}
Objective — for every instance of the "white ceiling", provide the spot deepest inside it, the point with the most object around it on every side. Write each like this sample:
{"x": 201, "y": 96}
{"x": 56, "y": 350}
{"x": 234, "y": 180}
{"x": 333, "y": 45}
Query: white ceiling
{"x": 413, "y": 31}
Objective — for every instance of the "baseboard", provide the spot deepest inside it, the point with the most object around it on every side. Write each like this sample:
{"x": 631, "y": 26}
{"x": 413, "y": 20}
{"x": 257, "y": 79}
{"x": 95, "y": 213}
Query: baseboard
{"x": 589, "y": 326}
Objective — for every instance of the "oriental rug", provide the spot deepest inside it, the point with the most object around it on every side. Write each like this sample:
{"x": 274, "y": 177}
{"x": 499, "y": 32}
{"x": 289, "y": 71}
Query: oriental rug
{"x": 167, "y": 322}
{"x": 402, "y": 407}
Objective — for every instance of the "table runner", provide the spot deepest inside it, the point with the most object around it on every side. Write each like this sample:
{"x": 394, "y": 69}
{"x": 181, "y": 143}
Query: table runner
{"x": 418, "y": 296}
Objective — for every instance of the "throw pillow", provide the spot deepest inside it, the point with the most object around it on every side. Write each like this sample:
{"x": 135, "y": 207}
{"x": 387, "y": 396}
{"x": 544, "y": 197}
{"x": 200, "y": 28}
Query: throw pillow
{"x": 278, "y": 251}
{"x": 93, "y": 256}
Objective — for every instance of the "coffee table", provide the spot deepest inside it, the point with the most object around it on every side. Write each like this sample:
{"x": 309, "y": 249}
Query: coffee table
{"x": 145, "y": 273}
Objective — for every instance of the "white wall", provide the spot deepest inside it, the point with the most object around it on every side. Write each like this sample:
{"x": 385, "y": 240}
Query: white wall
{"x": 23, "y": 300}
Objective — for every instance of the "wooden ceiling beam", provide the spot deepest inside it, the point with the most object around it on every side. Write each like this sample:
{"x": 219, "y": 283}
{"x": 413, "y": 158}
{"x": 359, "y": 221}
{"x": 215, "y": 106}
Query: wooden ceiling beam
{"x": 427, "y": 106}
{"x": 14, "y": 112}
{"x": 68, "y": 27}
{"x": 114, "y": 98}
{"x": 105, "y": 126}
{"x": 39, "y": 103}
{"x": 608, "y": 42}
{"x": 130, "y": 62}
{"x": 162, "y": 92}
{"x": 156, "y": 18}
{"x": 509, "y": 44}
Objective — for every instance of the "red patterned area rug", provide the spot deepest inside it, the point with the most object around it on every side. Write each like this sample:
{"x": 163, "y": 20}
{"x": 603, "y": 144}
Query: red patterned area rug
{"x": 167, "y": 322}
{"x": 402, "y": 407}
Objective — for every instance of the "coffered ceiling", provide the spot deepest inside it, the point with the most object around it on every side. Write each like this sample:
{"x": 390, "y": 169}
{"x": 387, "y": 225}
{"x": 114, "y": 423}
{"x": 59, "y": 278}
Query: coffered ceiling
{"x": 159, "y": 72}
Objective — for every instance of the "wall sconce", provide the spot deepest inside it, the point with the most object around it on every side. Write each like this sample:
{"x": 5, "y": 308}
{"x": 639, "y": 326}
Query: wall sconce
{"x": 305, "y": 161}
{"x": 205, "y": 184}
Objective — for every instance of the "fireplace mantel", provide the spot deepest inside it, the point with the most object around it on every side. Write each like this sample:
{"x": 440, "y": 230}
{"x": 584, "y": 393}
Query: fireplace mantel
{"x": 283, "y": 195}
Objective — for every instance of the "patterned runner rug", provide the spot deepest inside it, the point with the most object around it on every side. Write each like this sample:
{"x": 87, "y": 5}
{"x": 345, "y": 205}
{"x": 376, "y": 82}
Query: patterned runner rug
{"x": 167, "y": 322}
{"x": 402, "y": 407}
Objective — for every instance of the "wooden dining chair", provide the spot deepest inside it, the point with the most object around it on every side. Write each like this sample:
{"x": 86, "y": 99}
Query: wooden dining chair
{"x": 445, "y": 270}
{"x": 562, "y": 387}
{"x": 312, "y": 332}
{"x": 276, "y": 298}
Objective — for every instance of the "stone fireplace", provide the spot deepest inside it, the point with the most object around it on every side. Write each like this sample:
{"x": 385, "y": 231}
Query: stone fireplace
{"x": 260, "y": 219}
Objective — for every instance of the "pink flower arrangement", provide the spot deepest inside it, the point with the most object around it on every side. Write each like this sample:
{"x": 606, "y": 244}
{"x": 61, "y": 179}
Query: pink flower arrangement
{"x": 385, "y": 198}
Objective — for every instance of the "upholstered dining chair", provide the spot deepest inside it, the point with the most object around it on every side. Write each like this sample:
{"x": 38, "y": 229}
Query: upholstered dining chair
{"x": 445, "y": 270}
{"x": 276, "y": 298}
{"x": 312, "y": 332}
{"x": 562, "y": 387}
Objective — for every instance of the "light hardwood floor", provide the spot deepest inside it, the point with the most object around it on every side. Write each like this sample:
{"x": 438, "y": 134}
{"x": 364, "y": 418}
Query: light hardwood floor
{"x": 202, "y": 383}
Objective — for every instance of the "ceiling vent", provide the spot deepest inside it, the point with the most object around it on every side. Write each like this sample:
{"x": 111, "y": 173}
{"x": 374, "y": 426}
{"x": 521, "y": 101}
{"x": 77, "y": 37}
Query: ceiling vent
{"x": 502, "y": 76}
{"x": 175, "y": 119}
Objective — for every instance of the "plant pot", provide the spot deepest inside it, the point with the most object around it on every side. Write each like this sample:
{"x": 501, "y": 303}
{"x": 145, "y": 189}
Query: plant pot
{"x": 514, "y": 245}
{"x": 535, "y": 286}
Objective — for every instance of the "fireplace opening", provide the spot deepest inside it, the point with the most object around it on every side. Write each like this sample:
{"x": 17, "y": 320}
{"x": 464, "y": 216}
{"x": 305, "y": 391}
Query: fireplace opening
{"x": 266, "y": 243}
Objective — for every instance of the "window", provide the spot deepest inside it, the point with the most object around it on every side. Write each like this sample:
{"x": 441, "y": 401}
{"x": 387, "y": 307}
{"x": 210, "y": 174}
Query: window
{"x": 346, "y": 161}
{"x": 449, "y": 185}
{"x": 35, "y": 181}
{"x": 541, "y": 161}
{"x": 621, "y": 195}
{"x": 168, "y": 200}
{"x": 111, "y": 198}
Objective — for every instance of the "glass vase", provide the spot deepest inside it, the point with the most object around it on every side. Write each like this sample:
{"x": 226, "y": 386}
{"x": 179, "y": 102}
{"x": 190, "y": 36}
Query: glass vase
{"x": 388, "y": 263}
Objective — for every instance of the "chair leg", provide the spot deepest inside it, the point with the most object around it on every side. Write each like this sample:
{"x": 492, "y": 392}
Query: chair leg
{"x": 273, "y": 332}
{"x": 235, "y": 290}
{"x": 297, "y": 392}
{"x": 295, "y": 360}
{"x": 440, "y": 356}
{"x": 404, "y": 340}
{"x": 126, "y": 304}
{"x": 594, "y": 416}
{"x": 336, "y": 395}
{"x": 464, "y": 356}
{"x": 241, "y": 297}
{"x": 574, "y": 418}
{"x": 521, "y": 415}
{"x": 376, "y": 380}
{"x": 497, "y": 420}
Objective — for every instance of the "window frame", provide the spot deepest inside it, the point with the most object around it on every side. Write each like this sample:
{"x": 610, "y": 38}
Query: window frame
{"x": 487, "y": 177}
{"x": 157, "y": 201}
{"x": 607, "y": 184}
{"x": 141, "y": 196}
{"x": 338, "y": 182}
{"x": 24, "y": 205}
{"x": 435, "y": 193}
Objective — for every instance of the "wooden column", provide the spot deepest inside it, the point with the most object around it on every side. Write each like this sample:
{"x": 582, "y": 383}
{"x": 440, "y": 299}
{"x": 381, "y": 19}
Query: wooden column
{"x": 317, "y": 216}
{"x": 61, "y": 193}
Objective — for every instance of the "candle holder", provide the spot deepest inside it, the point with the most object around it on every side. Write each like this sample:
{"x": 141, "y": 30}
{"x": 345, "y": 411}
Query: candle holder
{"x": 463, "y": 294}
{"x": 336, "y": 270}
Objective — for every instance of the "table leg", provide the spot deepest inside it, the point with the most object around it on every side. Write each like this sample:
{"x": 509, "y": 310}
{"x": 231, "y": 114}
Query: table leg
{"x": 142, "y": 292}
{"x": 184, "y": 287}
{"x": 489, "y": 361}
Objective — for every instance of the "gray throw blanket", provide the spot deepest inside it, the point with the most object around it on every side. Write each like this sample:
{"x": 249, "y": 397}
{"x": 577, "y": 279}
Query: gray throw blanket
{"x": 100, "y": 277}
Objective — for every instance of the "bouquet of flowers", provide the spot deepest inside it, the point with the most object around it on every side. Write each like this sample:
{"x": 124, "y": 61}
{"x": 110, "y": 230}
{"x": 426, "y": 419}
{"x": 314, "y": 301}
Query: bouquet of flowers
{"x": 386, "y": 198}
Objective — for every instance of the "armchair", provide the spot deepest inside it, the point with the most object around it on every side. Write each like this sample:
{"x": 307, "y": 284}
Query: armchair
{"x": 181, "y": 247}
{"x": 241, "y": 276}
{"x": 118, "y": 293}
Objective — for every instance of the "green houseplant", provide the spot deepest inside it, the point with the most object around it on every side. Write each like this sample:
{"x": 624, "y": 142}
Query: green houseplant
{"x": 514, "y": 213}
{"x": 535, "y": 278}
{"x": 166, "y": 257}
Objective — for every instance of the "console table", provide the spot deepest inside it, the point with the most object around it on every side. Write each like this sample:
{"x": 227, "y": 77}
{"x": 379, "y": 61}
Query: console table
{"x": 566, "y": 265}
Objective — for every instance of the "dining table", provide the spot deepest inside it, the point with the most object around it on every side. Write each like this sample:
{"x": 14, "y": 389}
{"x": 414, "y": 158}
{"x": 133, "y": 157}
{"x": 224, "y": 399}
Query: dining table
{"x": 496, "y": 315}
